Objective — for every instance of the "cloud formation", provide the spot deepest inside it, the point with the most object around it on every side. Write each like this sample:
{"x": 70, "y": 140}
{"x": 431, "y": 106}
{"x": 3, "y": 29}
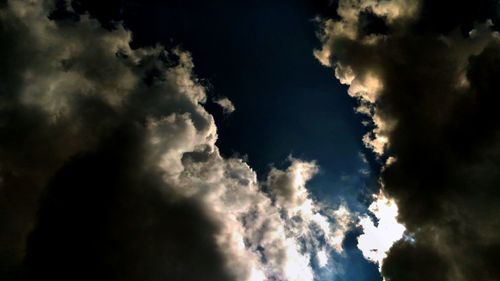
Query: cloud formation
{"x": 426, "y": 72}
{"x": 109, "y": 168}
{"x": 226, "y": 104}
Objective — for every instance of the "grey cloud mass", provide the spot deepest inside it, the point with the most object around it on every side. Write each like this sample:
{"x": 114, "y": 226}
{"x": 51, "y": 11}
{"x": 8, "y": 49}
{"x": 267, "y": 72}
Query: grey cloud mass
{"x": 109, "y": 168}
{"x": 426, "y": 73}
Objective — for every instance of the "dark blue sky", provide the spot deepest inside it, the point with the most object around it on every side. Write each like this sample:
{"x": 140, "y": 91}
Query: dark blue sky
{"x": 259, "y": 55}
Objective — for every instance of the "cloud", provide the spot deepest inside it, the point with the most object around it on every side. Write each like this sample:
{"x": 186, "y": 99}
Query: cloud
{"x": 305, "y": 217}
{"x": 378, "y": 238}
{"x": 426, "y": 79}
{"x": 109, "y": 168}
{"x": 226, "y": 104}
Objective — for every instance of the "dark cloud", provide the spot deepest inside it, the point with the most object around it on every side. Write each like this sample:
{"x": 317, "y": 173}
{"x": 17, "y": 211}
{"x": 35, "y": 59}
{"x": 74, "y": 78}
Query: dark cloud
{"x": 103, "y": 216}
{"x": 415, "y": 262}
{"x": 446, "y": 16}
{"x": 80, "y": 195}
{"x": 436, "y": 114}
{"x": 109, "y": 168}
{"x": 369, "y": 23}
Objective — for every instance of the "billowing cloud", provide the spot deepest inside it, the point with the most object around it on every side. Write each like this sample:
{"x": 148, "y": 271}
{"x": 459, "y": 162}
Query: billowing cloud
{"x": 425, "y": 73}
{"x": 109, "y": 168}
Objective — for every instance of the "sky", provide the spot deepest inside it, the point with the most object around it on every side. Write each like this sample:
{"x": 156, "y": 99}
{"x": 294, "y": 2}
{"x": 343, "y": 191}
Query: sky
{"x": 249, "y": 140}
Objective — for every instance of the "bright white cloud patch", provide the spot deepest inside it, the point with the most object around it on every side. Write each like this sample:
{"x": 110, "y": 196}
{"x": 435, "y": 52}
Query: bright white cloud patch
{"x": 378, "y": 238}
{"x": 322, "y": 258}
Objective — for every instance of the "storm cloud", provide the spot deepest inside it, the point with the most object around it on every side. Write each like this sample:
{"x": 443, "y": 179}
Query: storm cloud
{"x": 426, "y": 75}
{"x": 109, "y": 167}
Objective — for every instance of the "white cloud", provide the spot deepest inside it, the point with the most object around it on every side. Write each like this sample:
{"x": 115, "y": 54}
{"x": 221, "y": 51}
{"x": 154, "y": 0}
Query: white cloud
{"x": 322, "y": 257}
{"x": 305, "y": 218}
{"x": 377, "y": 239}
